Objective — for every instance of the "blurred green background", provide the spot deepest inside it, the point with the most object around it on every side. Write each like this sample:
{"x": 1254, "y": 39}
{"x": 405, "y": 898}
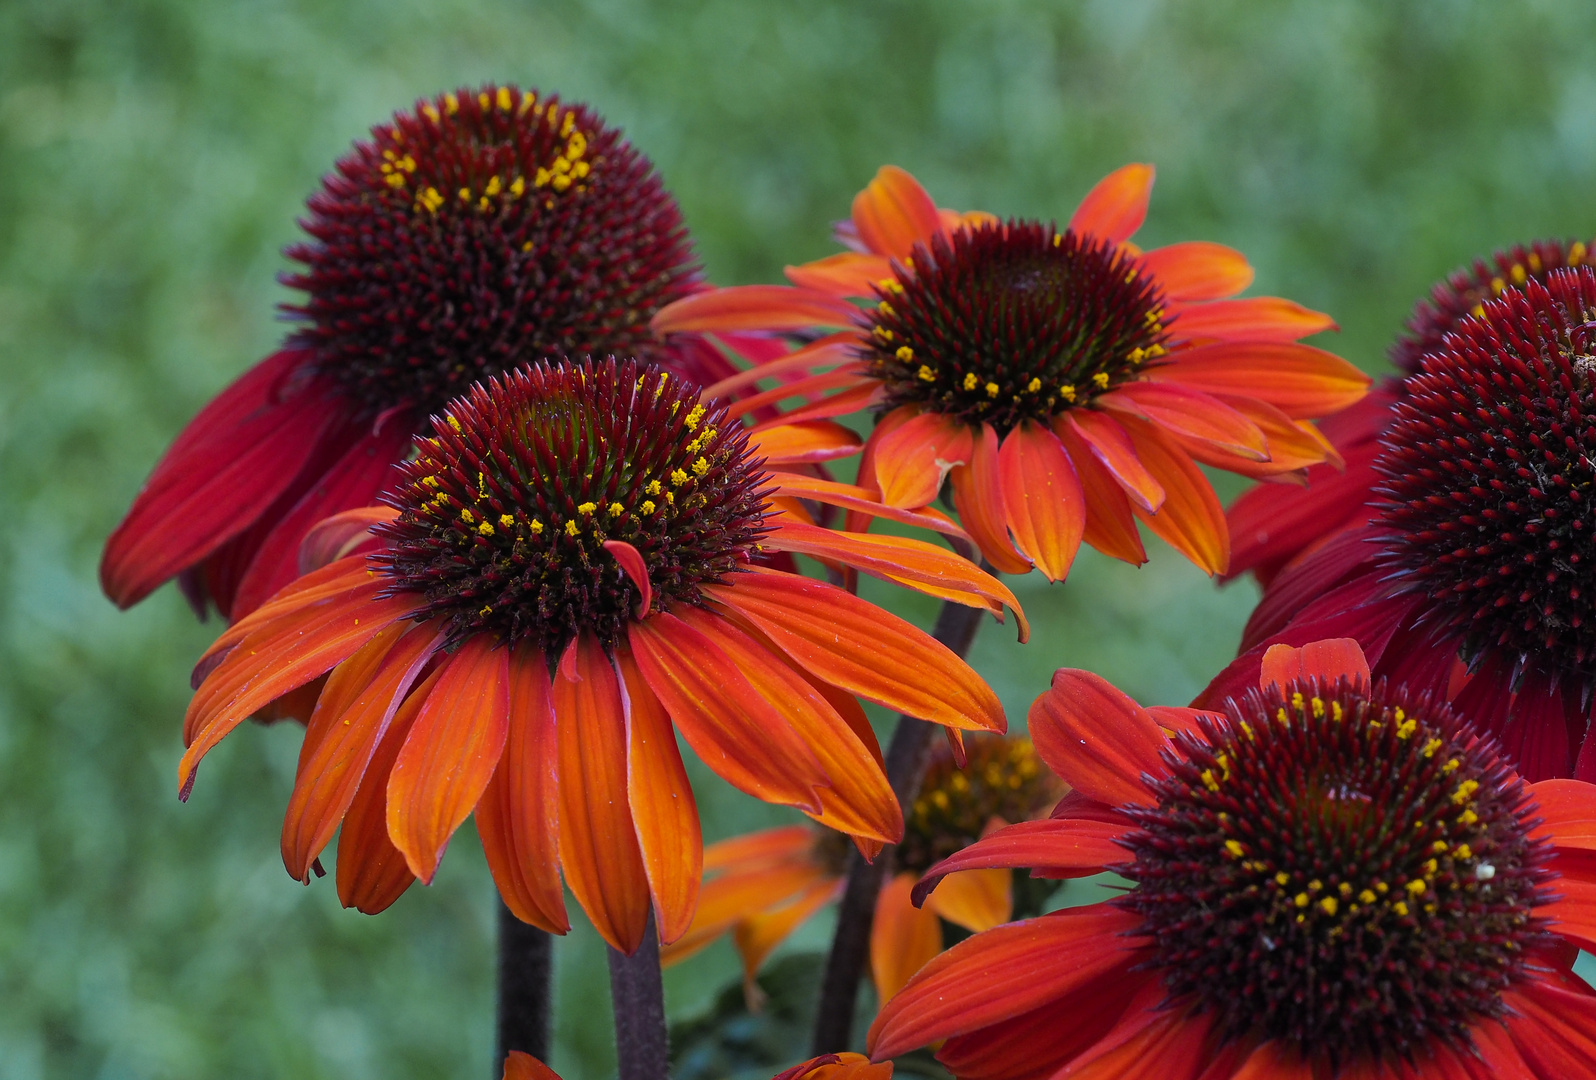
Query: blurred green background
{"x": 153, "y": 156}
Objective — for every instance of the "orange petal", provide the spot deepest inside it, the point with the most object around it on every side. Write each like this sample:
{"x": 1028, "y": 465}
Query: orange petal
{"x": 912, "y": 460}
{"x": 857, "y": 646}
{"x": 884, "y": 426}
{"x": 903, "y": 938}
{"x": 831, "y": 349}
{"x": 861, "y": 500}
{"x": 978, "y": 497}
{"x": 854, "y": 392}
{"x": 1256, "y": 319}
{"x": 1293, "y": 444}
{"x": 1004, "y": 972}
{"x": 1096, "y": 738}
{"x": 754, "y": 307}
{"x": 450, "y": 754}
{"x": 341, "y": 535}
{"x": 1329, "y": 660}
{"x": 1054, "y": 848}
{"x": 598, "y": 842}
{"x": 858, "y": 801}
{"x": 372, "y": 873}
{"x": 804, "y": 443}
{"x": 1299, "y": 380}
{"x": 1191, "y": 413}
{"x": 893, "y": 213}
{"x": 520, "y": 1066}
{"x": 758, "y": 935}
{"x": 339, "y": 580}
{"x": 767, "y": 847}
{"x": 913, "y": 563}
{"x": 1042, "y": 498}
{"x": 663, "y": 810}
{"x": 353, "y": 713}
{"x": 1198, "y": 270}
{"x": 1191, "y": 519}
{"x": 838, "y": 1067}
{"x": 847, "y": 273}
{"x": 728, "y": 723}
{"x": 1151, "y": 1046}
{"x": 1110, "y": 525}
{"x": 1112, "y": 448}
{"x": 1117, "y": 206}
{"x": 976, "y": 900}
{"x": 1567, "y": 809}
{"x": 518, "y": 818}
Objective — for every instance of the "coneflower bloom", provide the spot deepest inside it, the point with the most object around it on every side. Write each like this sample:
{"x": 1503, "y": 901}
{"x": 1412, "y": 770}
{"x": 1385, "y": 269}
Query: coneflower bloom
{"x": 1274, "y": 523}
{"x": 1331, "y": 880}
{"x": 475, "y": 233}
{"x": 570, "y": 574}
{"x": 1065, "y": 382}
{"x": 1470, "y": 576}
{"x": 764, "y": 885}
{"x": 520, "y": 1066}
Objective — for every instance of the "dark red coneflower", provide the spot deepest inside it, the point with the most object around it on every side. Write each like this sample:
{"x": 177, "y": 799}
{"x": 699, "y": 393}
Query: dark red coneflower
{"x": 1472, "y": 578}
{"x": 475, "y": 233}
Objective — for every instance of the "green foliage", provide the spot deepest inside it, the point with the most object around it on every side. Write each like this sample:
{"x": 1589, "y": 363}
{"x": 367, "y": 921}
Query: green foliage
{"x": 153, "y": 156}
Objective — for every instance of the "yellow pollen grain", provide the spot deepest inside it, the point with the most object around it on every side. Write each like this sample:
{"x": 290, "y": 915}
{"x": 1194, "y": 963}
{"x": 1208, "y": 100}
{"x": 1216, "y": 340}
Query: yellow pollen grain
{"x": 1468, "y": 817}
{"x": 1430, "y": 867}
{"x": 454, "y": 423}
{"x": 487, "y": 609}
{"x": 1067, "y": 392}
{"x": 1344, "y": 889}
{"x": 507, "y": 521}
{"x": 654, "y": 487}
{"x": 571, "y": 529}
{"x": 1297, "y": 701}
{"x": 926, "y": 374}
{"x": 883, "y": 333}
{"x": 1400, "y": 908}
{"x": 1234, "y": 848}
{"x": 971, "y": 382}
{"x": 1431, "y": 747}
{"x": 431, "y": 111}
{"x": 678, "y": 477}
{"x": 1101, "y": 379}
{"x": 1335, "y": 711}
{"x": 1282, "y": 878}
{"x": 1033, "y": 386}
{"x": 1576, "y": 253}
{"x": 451, "y": 103}
{"x": 1367, "y": 897}
{"x": 647, "y": 506}
{"x": 586, "y": 508}
{"x": 1301, "y": 899}
{"x": 1438, "y": 847}
{"x": 1497, "y": 285}
{"x": 1464, "y": 791}
{"x": 701, "y": 466}
{"x": 493, "y": 187}
{"x": 537, "y": 527}
{"x": 1464, "y": 852}
{"x": 904, "y": 353}
{"x": 1416, "y": 887}
{"x": 484, "y": 101}
{"x": 1318, "y": 707}
{"x": 616, "y": 509}
{"x": 430, "y": 481}
{"x": 486, "y": 528}
{"x": 465, "y": 516}
{"x": 1406, "y": 729}
{"x": 506, "y": 102}
{"x": 1329, "y": 905}
{"x": 693, "y": 417}
{"x": 885, "y": 309}
{"x": 1534, "y": 261}
{"x": 1518, "y": 274}
{"x": 992, "y": 389}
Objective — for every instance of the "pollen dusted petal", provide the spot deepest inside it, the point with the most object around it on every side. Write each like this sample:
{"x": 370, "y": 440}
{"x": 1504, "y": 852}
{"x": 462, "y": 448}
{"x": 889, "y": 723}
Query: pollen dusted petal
{"x": 1198, "y": 270}
{"x": 903, "y": 938}
{"x": 754, "y": 307}
{"x": 1256, "y": 319}
{"x": 864, "y": 650}
{"x": 663, "y": 810}
{"x": 1056, "y": 848}
{"x": 1191, "y": 519}
{"x": 1003, "y": 972}
{"x": 978, "y": 498}
{"x": 1327, "y": 660}
{"x": 1192, "y": 413}
{"x": 844, "y": 274}
{"x": 804, "y": 443}
{"x": 450, "y": 754}
{"x": 518, "y": 818}
{"x": 976, "y": 900}
{"x": 1110, "y": 525}
{"x": 893, "y": 213}
{"x": 1096, "y": 738}
{"x": 1117, "y": 206}
{"x": 913, "y": 459}
{"x": 1112, "y": 447}
{"x": 598, "y": 841}
{"x": 1042, "y": 498}
{"x": 1301, "y": 381}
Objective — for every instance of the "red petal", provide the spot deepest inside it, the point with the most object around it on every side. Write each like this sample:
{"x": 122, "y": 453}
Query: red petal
{"x": 855, "y": 645}
{"x": 1062, "y": 848}
{"x": 1558, "y": 1034}
{"x": 894, "y": 213}
{"x": 1042, "y": 498}
{"x": 1191, "y": 519}
{"x": 1197, "y": 270}
{"x": 845, "y": 274}
{"x": 341, "y": 535}
{"x": 1110, "y": 525}
{"x": 663, "y": 811}
{"x": 632, "y": 563}
{"x": 1256, "y": 319}
{"x": 1328, "y": 660}
{"x": 1117, "y": 206}
{"x": 518, "y": 817}
{"x": 1191, "y": 413}
{"x": 1096, "y": 738}
{"x": 1002, "y": 973}
{"x": 912, "y": 459}
{"x": 598, "y": 840}
{"x": 903, "y": 939}
{"x": 1567, "y": 809}
{"x": 978, "y": 498}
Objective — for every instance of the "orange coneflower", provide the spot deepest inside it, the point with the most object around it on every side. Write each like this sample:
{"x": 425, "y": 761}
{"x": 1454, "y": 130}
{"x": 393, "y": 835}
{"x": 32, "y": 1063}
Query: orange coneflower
{"x": 764, "y": 885}
{"x": 520, "y": 1066}
{"x": 1066, "y": 382}
{"x": 477, "y": 232}
{"x": 1332, "y": 879}
{"x": 571, "y": 567}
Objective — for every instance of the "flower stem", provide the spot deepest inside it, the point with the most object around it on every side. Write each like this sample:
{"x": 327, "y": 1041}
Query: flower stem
{"x": 526, "y": 968}
{"x": 641, "y": 1048}
{"x": 906, "y": 759}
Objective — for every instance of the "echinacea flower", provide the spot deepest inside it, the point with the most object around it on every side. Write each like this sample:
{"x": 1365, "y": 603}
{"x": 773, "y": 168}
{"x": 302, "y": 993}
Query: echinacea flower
{"x": 521, "y": 1066}
{"x": 762, "y": 886}
{"x": 567, "y": 577}
{"x": 1331, "y": 880}
{"x": 1470, "y": 577}
{"x": 1273, "y": 524}
{"x": 1065, "y": 382}
{"x": 477, "y": 232}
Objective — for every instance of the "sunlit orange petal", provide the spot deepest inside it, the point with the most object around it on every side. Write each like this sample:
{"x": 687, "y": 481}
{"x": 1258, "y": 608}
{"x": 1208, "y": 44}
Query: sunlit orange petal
{"x": 1191, "y": 519}
{"x": 598, "y": 845}
{"x": 903, "y": 938}
{"x": 1293, "y": 444}
{"x": 1299, "y": 380}
{"x": 1256, "y": 319}
{"x": 759, "y": 934}
{"x": 767, "y": 847}
{"x": 1110, "y": 525}
{"x": 846, "y": 274}
{"x": 1327, "y": 660}
{"x": 893, "y": 213}
{"x": 1192, "y": 413}
{"x": 518, "y": 818}
{"x": 1042, "y": 498}
{"x": 976, "y": 899}
{"x": 1198, "y": 270}
{"x": 1096, "y": 738}
{"x": 754, "y": 307}
{"x": 978, "y": 497}
{"x": 838, "y": 1067}
{"x": 804, "y": 443}
{"x": 1117, "y": 206}
{"x": 883, "y": 427}
{"x": 912, "y": 460}
{"x": 1111, "y": 446}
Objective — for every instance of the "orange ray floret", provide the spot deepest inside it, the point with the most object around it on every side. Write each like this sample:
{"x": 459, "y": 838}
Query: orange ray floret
{"x": 1045, "y": 337}
{"x": 572, "y": 573}
{"x": 523, "y": 1066}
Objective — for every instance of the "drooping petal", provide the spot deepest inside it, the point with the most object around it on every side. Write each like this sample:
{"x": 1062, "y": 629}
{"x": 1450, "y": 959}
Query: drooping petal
{"x": 450, "y": 754}
{"x": 1042, "y": 498}
{"x": 855, "y": 645}
{"x": 912, "y": 460}
{"x": 1198, "y": 270}
{"x": 1256, "y": 319}
{"x": 976, "y": 899}
{"x": 753, "y": 307}
{"x": 598, "y": 841}
{"x": 1327, "y": 660}
{"x": 1096, "y": 738}
{"x": 1055, "y": 848}
{"x": 340, "y": 535}
{"x": 1192, "y": 413}
{"x": 893, "y": 213}
{"x": 1191, "y": 519}
{"x": 339, "y": 581}
{"x": 759, "y": 934}
{"x": 518, "y": 817}
{"x": 903, "y": 938}
{"x": 978, "y": 497}
{"x": 1117, "y": 206}
{"x": 1301, "y": 381}
{"x": 1111, "y": 446}
{"x": 663, "y": 809}
{"x": 804, "y": 443}
{"x": 1001, "y": 973}
{"x": 847, "y": 273}
{"x": 767, "y": 847}
{"x": 861, "y": 500}
{"x": 1110, "y": 525}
